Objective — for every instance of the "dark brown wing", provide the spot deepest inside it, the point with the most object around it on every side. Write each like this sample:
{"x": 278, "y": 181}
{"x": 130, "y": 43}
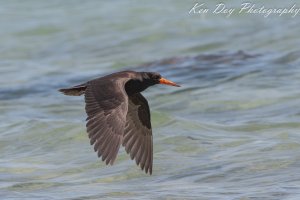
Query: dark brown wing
{"x": 138, "y": 132}
{"x": 106, "y": 107}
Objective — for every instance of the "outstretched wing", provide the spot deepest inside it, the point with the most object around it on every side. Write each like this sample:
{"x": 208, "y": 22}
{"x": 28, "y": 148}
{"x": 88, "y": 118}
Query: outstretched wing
{"x": 138, "y": 133}
{"x": 106, "y": 107}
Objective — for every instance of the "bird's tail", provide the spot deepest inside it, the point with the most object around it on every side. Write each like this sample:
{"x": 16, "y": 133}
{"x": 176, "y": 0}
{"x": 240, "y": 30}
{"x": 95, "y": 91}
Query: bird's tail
{"x": 74, "y": 91}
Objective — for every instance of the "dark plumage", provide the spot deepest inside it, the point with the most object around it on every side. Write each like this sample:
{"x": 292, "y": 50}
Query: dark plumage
{"x": 119, "y": 114}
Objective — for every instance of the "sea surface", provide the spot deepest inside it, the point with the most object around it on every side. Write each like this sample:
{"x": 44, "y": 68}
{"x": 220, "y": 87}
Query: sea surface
{"x": 232, "y": 131}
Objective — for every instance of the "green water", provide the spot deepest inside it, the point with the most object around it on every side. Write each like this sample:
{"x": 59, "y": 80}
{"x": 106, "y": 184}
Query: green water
{"x": 230, "y": 132}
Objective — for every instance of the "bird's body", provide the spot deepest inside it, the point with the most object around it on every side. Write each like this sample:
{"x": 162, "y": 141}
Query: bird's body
{"x": 119, "y": 114}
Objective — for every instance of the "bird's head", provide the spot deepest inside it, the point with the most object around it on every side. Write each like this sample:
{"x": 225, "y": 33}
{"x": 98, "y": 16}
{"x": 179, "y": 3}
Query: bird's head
{"x": 142, "y": 80}
{"x": 152, "y": 78}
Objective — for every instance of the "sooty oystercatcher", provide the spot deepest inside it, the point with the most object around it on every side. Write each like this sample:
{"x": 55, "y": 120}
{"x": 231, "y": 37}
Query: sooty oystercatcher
{"x": 119, "y": 114}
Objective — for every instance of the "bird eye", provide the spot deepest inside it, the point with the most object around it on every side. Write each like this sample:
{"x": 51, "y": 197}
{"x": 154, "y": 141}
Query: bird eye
{"x": 156, "y": 76}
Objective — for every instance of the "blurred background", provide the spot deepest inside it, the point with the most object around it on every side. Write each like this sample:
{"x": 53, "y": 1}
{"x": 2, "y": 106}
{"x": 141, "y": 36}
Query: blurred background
{"x": 230, "y": 132}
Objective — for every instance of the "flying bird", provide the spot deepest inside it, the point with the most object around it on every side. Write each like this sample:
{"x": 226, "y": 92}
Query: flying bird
{"x": 117, "y": 113}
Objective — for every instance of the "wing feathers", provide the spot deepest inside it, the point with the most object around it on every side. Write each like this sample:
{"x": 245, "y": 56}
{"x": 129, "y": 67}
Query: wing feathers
{"x": 115, "y": 119}
{"x": 106, "y": 117}
{"x": 138, "y": 133}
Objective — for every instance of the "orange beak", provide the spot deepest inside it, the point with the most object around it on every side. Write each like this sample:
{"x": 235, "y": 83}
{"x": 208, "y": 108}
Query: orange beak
{"x": 167, "y": 82}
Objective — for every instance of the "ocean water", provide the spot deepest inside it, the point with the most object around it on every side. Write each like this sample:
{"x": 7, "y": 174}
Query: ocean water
{"x": 232, "y": 131}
